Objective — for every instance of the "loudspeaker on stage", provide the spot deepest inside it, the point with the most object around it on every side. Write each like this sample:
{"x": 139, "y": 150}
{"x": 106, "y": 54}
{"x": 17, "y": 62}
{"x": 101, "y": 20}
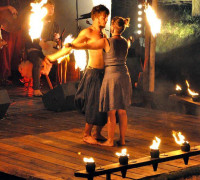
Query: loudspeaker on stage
{"x": 4, "y": 102}
{"x": 61, "y": 98}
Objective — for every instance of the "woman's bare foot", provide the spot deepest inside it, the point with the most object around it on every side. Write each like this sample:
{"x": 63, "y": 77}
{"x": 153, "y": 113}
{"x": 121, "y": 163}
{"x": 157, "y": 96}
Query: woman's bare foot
{"x": 107, "y": 143}
{"x": 89, "y": 140}
{"x": 120, "y": 143}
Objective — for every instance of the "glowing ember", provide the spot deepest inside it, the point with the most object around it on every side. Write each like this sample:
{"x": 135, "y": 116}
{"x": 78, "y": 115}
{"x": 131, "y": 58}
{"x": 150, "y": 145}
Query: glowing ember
{"x": 36, "y": 24}
{"x": 191, "y": 92}
{"x": 179, "y": 138}
{"x": 153, "y": 21}
{"x": 88, "y": 160}
{"x": 155, "y": 144}
{"x": 123, "y": 153}
{"x": 178, "y": 88}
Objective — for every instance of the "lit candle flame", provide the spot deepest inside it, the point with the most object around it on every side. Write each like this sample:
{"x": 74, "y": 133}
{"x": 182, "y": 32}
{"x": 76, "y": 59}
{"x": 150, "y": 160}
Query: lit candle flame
{"x": 191, "y": 92}
{"x": 178, "y": 88}
{"x": 123, "y": 153}
{"x": 179, "y": 138}
{"x": 36, "y": 23}
{"x": 153, "y": 21}
{"x": 155, "y": 144}
{"x": 86, "y": 160}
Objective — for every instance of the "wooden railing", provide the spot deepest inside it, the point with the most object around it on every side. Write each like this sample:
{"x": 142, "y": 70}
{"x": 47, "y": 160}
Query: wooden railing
{"x": 111, "y": 168}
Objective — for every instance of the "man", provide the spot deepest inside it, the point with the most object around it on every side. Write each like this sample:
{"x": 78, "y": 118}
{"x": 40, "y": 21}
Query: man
{"x": 37, "y": 48}
{"x": 87, "y": 95}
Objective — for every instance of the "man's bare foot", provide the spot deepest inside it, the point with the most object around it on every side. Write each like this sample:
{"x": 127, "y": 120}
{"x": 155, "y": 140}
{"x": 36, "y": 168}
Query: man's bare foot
{"x": 89, "y": 140}
{"x": 107, "y": 143}
{"x": 99, "y": 137}
{"x": 120, "y": 143}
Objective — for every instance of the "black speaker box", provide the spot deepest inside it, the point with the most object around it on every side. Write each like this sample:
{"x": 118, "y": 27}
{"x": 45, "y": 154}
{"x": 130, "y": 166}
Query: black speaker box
{"x": 61, "y": 98}
{"x": 4, "y": 103}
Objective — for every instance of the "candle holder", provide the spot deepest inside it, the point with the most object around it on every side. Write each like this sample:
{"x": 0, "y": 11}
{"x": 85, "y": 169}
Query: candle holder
{"x": 123, "y": 160}
{"x": 185, "y": 147}
{"x": 90, "y": 167}
{"x": 155, "y": 153}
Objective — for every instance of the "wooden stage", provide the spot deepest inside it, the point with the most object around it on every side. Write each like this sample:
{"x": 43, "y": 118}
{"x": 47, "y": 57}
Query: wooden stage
{"x": 39, "y": 144}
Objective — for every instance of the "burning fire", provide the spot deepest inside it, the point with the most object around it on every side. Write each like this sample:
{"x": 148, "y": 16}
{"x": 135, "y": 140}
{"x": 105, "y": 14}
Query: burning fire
{"x": 178, "y": 88}
{"x": 80, "y": 58}
{"x": 179, "y": 138}
{"x": 68, "y": 39}
{"x": 155, "y": 144}
{"x": 153, "y": 21}
{"x": 79, "y": 55}
{"x": 86, "y": 160}
{"x": 36, "y": 24}
{"x": 123, "y": 153}
{"x": 191, "y": 92}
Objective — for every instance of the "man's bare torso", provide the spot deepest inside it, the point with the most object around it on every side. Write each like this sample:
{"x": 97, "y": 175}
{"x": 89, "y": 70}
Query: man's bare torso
{"x": 95, "y": 56}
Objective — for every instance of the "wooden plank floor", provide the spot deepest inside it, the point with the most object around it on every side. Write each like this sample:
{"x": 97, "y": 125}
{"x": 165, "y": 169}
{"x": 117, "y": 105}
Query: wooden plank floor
{"x": 39, "y": 144}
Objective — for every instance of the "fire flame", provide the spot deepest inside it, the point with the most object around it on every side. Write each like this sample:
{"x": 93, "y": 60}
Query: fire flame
{"x": 155, "y": 144}
{"x": 153, "y": 21}
{"x": 35, "y": 23}
{"x": 179, "y": 138}
{"x": 191, "y": 92}
{"x": 68, "y": 39}
{"x": 123, "y": 153}
{"x": 80, "y": 58}
{"x": 178, "y": 88}
{"x": 79, "y": 55}
{"x": 88, "y": 159}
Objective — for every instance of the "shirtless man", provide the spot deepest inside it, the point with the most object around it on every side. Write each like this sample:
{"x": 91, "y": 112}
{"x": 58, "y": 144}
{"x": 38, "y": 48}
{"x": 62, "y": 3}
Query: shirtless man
{"x": 87, "y": 95}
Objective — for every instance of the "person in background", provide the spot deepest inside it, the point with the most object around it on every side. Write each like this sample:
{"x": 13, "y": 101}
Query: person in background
{"x": 35, "y": 50}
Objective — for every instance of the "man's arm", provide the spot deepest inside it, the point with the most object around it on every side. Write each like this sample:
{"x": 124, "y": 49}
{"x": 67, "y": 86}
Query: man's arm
{"x": 100, "y": 44}
{"x": 82, "y": 37}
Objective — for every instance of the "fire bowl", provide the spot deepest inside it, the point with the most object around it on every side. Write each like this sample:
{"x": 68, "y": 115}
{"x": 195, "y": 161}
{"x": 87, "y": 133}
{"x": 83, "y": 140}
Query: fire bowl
{"x": 123, "y": 160}
{"x": 90, "y": 167}
{"x": 196, "y": 98}
{"x": 155, "y": 153}
{"x": 185, "y": 147}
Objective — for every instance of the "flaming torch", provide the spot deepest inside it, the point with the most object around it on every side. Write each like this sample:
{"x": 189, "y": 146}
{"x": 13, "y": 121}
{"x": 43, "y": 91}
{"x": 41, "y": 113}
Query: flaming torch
{"x": 123, "y": 157}
{"x": 180, "y": 139}
{"x": 36, "y": 23}
{"x": 90, "y": 164}
{"x": 178, "y": 90}
{"x": 195, "y": 95}
{"x": 154, "y": 148}
{"x": 153, "y": 21}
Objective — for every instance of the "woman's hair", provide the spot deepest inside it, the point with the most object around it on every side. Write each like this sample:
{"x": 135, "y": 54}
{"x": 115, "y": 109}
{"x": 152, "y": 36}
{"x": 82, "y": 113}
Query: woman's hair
{"x": 120, "y": 23}
{"x": 96, "y": 10}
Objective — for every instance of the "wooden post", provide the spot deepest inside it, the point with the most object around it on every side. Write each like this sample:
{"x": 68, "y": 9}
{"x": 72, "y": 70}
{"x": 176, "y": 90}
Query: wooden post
{"x": 146, "y": 60}
{"x": 195, "y": 8}
{"x": 152, "y": 55}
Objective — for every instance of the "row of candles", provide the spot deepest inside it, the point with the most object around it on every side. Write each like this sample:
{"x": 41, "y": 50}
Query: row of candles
{"x": 154, "y": 151}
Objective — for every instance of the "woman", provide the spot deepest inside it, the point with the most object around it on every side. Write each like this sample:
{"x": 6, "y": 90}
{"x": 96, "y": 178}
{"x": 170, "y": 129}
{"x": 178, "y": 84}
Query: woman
{"x": 115, "y": 94}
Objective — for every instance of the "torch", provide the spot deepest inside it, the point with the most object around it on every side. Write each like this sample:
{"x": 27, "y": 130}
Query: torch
{"x": 180, "y": 139}
{"x": 90, "y": 164}
{"x": 154, "y": 148}
{"x": 123, "y": 157}
{"x": 194, "y": 95}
